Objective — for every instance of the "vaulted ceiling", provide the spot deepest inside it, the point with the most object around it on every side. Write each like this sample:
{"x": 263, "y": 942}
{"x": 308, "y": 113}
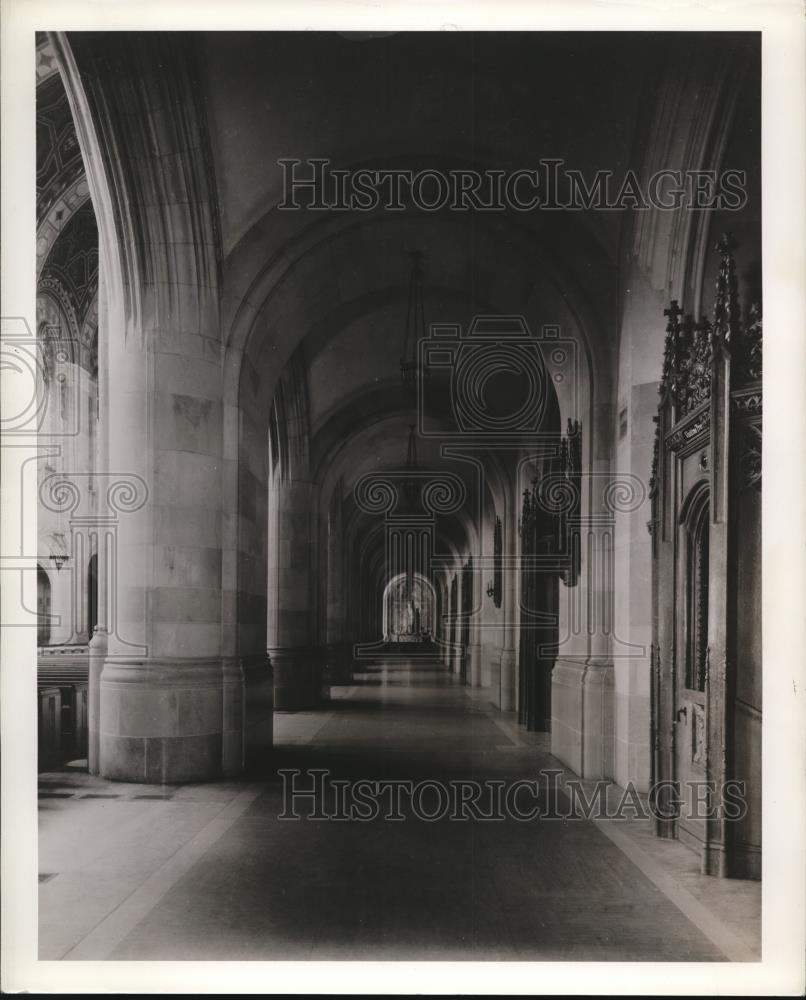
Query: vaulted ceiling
{"x": 497, "y": 99}
{"x": 67, "y": 232}
{"x": 330, "y": 289}
{"x": 489, "y": 101}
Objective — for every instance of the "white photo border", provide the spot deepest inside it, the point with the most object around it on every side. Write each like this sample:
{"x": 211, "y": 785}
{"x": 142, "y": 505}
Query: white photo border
{"x": 781, "y": 970}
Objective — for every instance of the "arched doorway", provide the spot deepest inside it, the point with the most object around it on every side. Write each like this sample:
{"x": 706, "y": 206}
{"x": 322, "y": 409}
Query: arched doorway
{"x": 92, "y": 595}
{"x": 42, "y": 607}
{"x": 409, "y": 605}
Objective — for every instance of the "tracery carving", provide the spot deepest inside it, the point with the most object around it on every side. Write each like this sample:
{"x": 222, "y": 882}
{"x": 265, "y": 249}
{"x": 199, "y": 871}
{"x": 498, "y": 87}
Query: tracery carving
{"x": 747, "y": 402}
{"x": 698, "y": 590}
{"x": 690, "y": 351}
{"x": 750, "y": 461}
{"x": 698, "y": 737}
{"x": 751, "y": 357}
{"x": 696, "y": 361}
{"x": 707, "y": 451}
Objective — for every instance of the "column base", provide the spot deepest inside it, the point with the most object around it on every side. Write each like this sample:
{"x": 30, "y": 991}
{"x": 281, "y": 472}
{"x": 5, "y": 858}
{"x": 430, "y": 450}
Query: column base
{"x": 162, "y": 721}
{"x": 298, "y": 679}
{"x": 507, "y": 674}
{"x": 475, "y": 665}
{"x": 582, "y": 716}
{"x": 258, "y": 696}
{"x": 339, "y": 664}
{"x": 491, "y": 671}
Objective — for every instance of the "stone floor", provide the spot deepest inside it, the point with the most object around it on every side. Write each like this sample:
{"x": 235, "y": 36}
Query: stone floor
{"x": 210, "y": 872}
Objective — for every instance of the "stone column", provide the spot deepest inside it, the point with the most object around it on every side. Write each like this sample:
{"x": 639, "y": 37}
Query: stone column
{"x": 639, "y": 370}
{"x": 474, "y": 674}
{"x": 508, "y": 672}
{"x": 162, "y": 712}
{"x": 490, "y": 619}
{"x": 456, "y": 658}
{"x": 162, "y": 687}
{"x": 582, "y": 679}
{"x": 293, "y": 647}
{"x": 338, "y": 652}
{"x": 597, "y": 679}
{"x": 63, "y": 588}
{"x": 444, "y": 631}
{"x": 98, "y": 649}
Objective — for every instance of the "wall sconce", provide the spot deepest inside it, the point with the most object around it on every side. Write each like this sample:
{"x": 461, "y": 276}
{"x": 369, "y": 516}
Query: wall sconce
{"x": 491, "y": 589}
{"x": 60, "y": 560}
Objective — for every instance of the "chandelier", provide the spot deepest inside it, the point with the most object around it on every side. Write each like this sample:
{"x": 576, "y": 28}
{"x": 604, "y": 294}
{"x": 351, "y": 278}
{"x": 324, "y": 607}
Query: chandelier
{"x": 415, "y": 324}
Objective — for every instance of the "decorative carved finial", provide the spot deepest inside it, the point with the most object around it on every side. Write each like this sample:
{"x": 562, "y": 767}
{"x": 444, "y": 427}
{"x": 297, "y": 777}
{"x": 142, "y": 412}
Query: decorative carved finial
{"x": 653, "y": 475}
{"x": 726, "y": 243}
{"x": 752, "y": 345}
{"x": 693, "y": 351}
{"x": 726, "y": 307}
{"x": 671, "y": 347}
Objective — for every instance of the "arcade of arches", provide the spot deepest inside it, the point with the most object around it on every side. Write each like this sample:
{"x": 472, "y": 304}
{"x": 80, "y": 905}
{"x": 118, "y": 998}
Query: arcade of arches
{"x": 236, "y": 517}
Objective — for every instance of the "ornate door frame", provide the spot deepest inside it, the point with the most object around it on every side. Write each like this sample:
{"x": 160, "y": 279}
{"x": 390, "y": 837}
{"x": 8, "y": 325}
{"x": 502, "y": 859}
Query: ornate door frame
{"x": 707, "y": 449}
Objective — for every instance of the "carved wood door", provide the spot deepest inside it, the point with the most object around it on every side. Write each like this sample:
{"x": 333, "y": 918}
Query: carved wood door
{"x": 706, "y": 519}
{"x": 692, "y": 748}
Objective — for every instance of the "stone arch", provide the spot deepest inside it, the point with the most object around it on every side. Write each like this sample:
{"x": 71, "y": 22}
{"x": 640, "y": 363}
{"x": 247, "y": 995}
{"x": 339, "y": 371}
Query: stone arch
{"x": 160, "y": 363}
{"x": 423, "y": 595}
{"x": 43, "y": 599}
{"x": 274, "y": 311}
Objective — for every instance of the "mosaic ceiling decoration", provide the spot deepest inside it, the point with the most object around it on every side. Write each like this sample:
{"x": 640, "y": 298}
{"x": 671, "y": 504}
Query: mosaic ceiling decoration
{"x": 46, "y": 65}
{"x": 71, "y": 270}
{"x": 67, "y": 233}
{"x": 58, "y": 157}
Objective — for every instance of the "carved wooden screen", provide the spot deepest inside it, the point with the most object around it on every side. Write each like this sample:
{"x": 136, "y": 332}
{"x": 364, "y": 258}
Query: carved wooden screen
{"x": 697, "y": 579}
{"x": 706, "y": 552}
